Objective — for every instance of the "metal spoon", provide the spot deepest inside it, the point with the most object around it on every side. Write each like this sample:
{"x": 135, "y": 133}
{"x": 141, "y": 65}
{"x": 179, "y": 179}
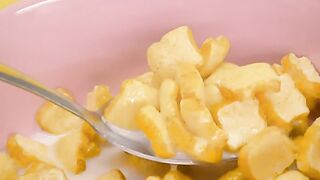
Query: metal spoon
{"x": 140, "y": 148}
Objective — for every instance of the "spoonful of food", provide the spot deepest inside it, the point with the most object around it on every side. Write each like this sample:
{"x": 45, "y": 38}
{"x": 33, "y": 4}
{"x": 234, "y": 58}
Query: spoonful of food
{"x": 99, "y": 124}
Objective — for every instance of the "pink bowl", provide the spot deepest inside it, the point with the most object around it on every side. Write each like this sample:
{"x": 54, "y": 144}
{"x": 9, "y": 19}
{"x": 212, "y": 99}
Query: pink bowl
{"x": 77, "y": 44}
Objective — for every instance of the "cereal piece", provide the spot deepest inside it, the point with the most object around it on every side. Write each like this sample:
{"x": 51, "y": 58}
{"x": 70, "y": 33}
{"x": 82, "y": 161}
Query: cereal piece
{"x": 198, "y": 118}
{"x": 175, "y": 46}
{"x": 266, "y": 155}
{"x": 184, "y": 140}
{"x": 147, "y": 78}
{"x": 71, "y": 151}
{"x": 305, "y": 76}
{"x": 147, "y": 167}
{"x": 43, "y": 171}
{"x": 114, "y": 174}
{"x": 277, "y": 68}
{"x": 54, "y": 119}
{"x": 133, "y": 95}
{"x": 283, "y": 107}
{"x": 93, "y": 147}
{"x": 298, "y": 141}
{"x": 153, "y": 178}
{"x": 98, "y": 97}
{"x": 213, "y": 95}
{"x": 308, "y": 160}
{"x": 303, "y": 73}
{"x": 215, "y": 100}
{"x": 292, "y": 175}
{"x": 175, "y": 175}
{"x": 213, "y": 52}
{"x": 8, "y": 168}
{"x": 92, "y": 150}
{"x": 235, "y": 174}
{"x": 197, "y": 147}
{"x": 246, "y": 81}
{"x": 190, "y": 81}
{"x": 168, "y": 94}
{"x": 27, "y": 151}
{"x": 299, "y": 126}
{"x": 220, "y": 73}
{"x": 312, "y": 102}
{"x": 181, "y": 137}
{"x": 240, "y": 120}
{"x": 154, "y": 125}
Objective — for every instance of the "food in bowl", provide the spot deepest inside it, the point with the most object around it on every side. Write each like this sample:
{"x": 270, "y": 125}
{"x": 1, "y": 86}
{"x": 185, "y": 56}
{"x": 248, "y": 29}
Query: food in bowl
{"x": 195, "y": 102}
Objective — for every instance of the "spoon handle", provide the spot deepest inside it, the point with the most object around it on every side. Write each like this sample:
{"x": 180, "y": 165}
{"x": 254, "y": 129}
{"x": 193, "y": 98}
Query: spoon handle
{"x": 21, "y": 80}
